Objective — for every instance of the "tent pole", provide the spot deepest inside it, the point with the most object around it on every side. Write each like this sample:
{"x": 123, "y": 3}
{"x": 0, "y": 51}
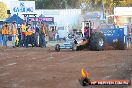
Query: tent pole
{"x": 17, "y": 20}
{"x": 35, "y": 20}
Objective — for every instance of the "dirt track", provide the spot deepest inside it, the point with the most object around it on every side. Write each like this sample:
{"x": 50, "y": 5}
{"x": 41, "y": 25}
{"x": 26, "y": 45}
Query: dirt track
{"x": 44, "y": 68}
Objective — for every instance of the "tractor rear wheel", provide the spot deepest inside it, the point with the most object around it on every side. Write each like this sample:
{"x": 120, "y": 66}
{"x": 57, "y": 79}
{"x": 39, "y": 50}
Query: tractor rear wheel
{"x": 97, "y": 41}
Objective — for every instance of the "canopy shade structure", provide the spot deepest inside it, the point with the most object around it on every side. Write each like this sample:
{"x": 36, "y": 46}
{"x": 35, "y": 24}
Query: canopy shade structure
{"x": 41, "y": 15}
{"x": 14, "y": 18}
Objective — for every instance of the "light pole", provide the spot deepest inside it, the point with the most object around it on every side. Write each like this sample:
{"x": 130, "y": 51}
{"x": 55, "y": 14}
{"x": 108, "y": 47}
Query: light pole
{"x": 103, "y": 9}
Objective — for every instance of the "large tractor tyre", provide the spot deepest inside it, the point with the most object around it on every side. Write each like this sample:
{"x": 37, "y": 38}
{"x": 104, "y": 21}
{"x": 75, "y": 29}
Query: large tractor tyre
{"x": 57, "y": 48}
{"x": 97, "y": 41}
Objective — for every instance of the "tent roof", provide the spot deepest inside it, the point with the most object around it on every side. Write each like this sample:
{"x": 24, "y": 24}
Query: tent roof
{"x": 1, "y": 22}
{"x": 15, "y": 18}
{"x": 41, "y": 15}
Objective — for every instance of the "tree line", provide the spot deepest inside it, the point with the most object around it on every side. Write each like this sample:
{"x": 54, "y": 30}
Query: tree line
{"x": 87, "y": 4}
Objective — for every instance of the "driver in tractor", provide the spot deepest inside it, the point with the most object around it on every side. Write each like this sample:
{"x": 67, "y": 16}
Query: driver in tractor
{"x": 85, "y": 39}
{"x": 86, "y": 32}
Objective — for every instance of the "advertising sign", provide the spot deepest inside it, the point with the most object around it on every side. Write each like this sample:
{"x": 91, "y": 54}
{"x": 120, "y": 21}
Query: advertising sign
{"x": 22, "y": 6}
{"x": 44, "y": 19}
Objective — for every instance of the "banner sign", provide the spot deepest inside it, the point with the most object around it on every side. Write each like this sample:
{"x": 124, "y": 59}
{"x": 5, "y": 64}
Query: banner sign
{"x": 22, "y": 6}
{"x": 45, "y": 19}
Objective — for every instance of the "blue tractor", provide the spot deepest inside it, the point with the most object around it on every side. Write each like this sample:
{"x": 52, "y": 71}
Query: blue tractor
{"x": 89, "y": 39}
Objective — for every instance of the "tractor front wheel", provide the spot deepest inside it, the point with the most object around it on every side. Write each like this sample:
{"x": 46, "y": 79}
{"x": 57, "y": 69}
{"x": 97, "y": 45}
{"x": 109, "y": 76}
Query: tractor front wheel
{"x": 57, "y": 48}
{"x": 74, "y": 47}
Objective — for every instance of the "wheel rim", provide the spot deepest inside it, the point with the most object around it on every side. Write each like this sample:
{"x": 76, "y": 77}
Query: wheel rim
{"x": 101, "y": 42}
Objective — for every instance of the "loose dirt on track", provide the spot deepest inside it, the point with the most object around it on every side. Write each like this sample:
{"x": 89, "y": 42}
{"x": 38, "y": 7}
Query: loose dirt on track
{"x": 45, "y": 68}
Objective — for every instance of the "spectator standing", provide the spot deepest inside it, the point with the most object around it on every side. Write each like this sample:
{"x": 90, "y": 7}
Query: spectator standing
{"x": 36, "y": 37}
{"x": 47, "y": 33}
{"x": 14, "y": 34}
{"x": 5, "y": 32}
{"x": 53, "y": 34}
{"x": 23, "y": 30}
{"x": 29, "y": 36}
{"x": 42, "y": 35}
{"x": 57, "y": 36}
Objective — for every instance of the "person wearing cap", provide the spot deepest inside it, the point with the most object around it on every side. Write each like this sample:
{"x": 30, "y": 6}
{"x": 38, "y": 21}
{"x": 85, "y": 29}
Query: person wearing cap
{"x": 14, "y": 34}
{"x": 5, "y": 32}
